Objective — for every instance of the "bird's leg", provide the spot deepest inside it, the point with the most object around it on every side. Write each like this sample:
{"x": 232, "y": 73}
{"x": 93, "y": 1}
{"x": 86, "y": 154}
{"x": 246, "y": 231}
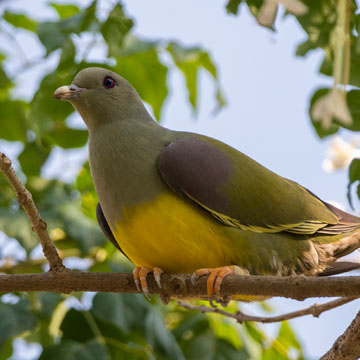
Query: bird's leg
{"x": 140, "y": 274}
{"x": 215, "y": 279}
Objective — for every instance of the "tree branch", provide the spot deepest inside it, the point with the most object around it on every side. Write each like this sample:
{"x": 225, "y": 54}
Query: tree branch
{"x": 38, "y": 224}
{"x": 347, "y": 346}
{"x": 180, "y": 286}
{"x": 314, "y": 310}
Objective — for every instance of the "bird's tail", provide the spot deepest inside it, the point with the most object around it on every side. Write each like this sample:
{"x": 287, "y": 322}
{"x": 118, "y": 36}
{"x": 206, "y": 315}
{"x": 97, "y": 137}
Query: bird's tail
{"x": 330, "y": 252}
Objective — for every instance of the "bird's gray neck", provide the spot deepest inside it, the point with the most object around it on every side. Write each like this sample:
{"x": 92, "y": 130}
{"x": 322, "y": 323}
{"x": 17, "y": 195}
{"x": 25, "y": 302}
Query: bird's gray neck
{"x": 123, "y": 160}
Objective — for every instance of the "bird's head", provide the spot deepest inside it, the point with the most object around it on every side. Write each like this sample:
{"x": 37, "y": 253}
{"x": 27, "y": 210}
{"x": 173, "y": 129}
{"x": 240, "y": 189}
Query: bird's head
{"x": 101, "y": 96}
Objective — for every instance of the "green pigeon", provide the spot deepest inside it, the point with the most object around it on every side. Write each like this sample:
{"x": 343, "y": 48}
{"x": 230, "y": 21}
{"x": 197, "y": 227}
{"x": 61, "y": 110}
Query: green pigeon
{"x": 180, "y": 202}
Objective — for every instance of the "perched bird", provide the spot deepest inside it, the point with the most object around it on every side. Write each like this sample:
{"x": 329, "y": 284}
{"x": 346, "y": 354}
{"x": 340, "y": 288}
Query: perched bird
{"x": 179, "y": 202}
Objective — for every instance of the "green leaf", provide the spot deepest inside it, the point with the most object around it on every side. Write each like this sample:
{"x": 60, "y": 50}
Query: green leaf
{"x": 65, "y": 10}
{"x": 13, "y": 122}
{"x": 46, "y": 303}
{"x": 109, "y": 307}
{"x": 354, "y": 76}
{"x": 318, "y": 22}
{"x": 353, "y": 102}
{"x": 232, "y": 7}
{"x": 273, "y": 353}
{"x": 20, "y": 21}
{"x": 85, "y": 186}
{"x": 320, "y": 130}
{"x": 306, "y": 46}
{"x": 254, "y": 332}
{"x": 148, "y": 76}
{"x": 114, "y": 29}
{"x": 5, "y": 82}
{"x": 189, "y": 61}
{"x": 53, "y": 35}
{"x": 124, "y": 311}
{"x": 89, "y": 21}
{"x": 44, "y": 110}
{"x": 32, "y": 158}
{"x": 15, "y": 320}
{"x": 6, "y": 350}
{"x": 72, "y": 350}
{"x": 287, "y": 337}
{"x": 68, "y": 138}
{"x": 67, "y": 58}
{"x": 73, "y": 321}
{"x": 17, "y": 225}
{"x": 160, "y": 338}
{"x": 354, "y": 175}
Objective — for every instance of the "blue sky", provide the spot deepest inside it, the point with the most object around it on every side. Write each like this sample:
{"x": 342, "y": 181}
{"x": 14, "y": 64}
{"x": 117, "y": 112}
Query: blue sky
{"x": 268, "y": 91}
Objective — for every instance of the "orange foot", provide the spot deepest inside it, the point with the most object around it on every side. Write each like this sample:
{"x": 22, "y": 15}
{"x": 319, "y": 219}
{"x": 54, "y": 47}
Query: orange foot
{"x": 140, "y": 273}
{"x": 215, "y": 279}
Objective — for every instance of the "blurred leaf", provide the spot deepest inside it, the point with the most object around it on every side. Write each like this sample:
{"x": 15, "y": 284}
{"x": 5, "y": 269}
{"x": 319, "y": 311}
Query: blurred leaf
{"x": 65, "y": 10}
{"x": 67, "y": 57}
{"x": 207, "y": 347}
{"x": 44, "y": 110}
{"x": 320, "y": 130}
{"x": 354, "y": 171}
{"x": 5, "y": 82}
{"x": 60, "y": 210}
{"x": 13, "y": 121}
{"x": 272, "y": 353}
{"x": 68, "y": 138}
{"x": 133, "y": 45}
{"x": 53, "y": 35}
{"x": 46, "y": 303}
{"x": 32, "y": 158}
{"x": 354, "y": 76}
{"x": 109, "y": 307}
{"x": 354, "y": 175}
{"x": 125, "y": 311}
{"x": 20, "y": 21}
{"x": 17, "y": 225}
{"x": 160, "y": 338}
{"x": 253, "y": 332}
{"x": 189, "y": 61}
{"x": 6, "y": 350}
{"x": 72, "y": 350}
{"x": 148, "y": 76}
{"x": 15, "y": 319}
{"x": 318, "y": 23}
{"x": 73, "y": 321}
{"x": 287, "y": 337}
{"x": 232, "y": 7}
{"x": 85, "y": 186}
{"x": 114, "y": 29}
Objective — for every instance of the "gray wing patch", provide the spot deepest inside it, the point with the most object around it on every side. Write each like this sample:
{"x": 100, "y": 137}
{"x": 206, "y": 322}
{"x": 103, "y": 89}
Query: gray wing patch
{"x": 198, "y": 170}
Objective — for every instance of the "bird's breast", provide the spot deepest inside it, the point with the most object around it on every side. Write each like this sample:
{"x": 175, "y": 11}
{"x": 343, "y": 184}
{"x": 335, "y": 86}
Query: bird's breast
{"x": 172, "y": 233}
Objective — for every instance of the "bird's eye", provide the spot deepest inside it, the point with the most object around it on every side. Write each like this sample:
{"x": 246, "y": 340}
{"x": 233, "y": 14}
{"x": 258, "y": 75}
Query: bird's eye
{"x": 108, "y": 82}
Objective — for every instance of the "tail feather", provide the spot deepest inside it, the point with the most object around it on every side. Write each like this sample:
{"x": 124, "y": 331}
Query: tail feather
{"x": 339, "y": 267}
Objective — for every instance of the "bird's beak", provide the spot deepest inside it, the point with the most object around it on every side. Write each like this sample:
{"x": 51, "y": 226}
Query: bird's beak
{"x": 67, "y": 92}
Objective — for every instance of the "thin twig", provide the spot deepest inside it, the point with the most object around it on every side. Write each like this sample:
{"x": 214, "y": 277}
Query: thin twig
{"x": 347, "y": 346}
{"x": 314, "y": 310}
{"x": 38, "y": 224}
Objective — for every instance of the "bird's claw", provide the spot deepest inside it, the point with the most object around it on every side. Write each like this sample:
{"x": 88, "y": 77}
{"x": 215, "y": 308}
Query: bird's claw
{"x": 140, "y": 274}
{"x": 214, "y": 281}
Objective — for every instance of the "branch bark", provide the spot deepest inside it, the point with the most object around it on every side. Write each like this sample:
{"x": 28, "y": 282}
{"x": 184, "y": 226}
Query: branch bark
{"x": 347, "y": 346}
{"x": 180, "y": 286}
{"x": 38, "y": 224}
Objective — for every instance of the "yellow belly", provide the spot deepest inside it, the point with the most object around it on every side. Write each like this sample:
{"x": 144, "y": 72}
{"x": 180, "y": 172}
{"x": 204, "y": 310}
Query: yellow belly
{"x": 173, "y": 234}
